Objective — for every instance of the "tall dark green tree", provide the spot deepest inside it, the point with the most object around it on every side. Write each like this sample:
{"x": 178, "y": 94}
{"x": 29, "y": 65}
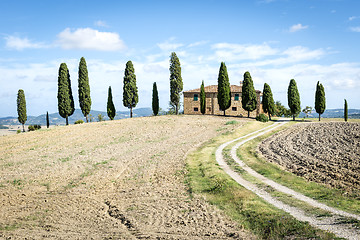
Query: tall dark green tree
{"x": 47, "y": 120}
{"x": 268, "y": 100}
{"x": 320, "y": 102}
{"x": 130, "y": 91}
{"x": 248, "y": 94}
{"x": 176, "y": 83}
{"x": 21, "y": 108}
{"x": 155, "y": 100}
{"x": 202, "y": 98}
{"x": 224, "y": 91}
{"x": 111, "y": 112}
{"x": 345, "y": 111}
{"x": 293, "y": 99}
{"x": 84, "y": 89}
{"x": 65, "y": 98}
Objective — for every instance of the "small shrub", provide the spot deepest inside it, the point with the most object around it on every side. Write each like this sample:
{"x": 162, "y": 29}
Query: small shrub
{"x": 262, "y": 118}
{"x": 231, "y": 122}
{"x": 18, "y": 131}
{"x": 79, "y": 122}
{"x": 34, "y": 127}
{"x": 100, "y": 118}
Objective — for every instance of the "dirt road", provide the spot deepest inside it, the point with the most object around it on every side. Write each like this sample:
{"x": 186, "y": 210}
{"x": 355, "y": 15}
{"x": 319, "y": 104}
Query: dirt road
{"x": 327, "y": 223}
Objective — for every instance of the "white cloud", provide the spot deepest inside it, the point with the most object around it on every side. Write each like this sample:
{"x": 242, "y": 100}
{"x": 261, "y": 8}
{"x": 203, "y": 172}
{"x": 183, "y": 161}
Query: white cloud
{"x": 195, "y": 44}
{"x": 355, "y": 29}
{"x": 17, "y": 43}
{"x": 169, "y": 45}
{"x": 101, "y": 23}
{"x": 233, "y": 52}
{"x": 91, "y": 39}
{"x": 297, "y": 27}
{"x": 353, "y": 18}
{"x": 291, "y": 55}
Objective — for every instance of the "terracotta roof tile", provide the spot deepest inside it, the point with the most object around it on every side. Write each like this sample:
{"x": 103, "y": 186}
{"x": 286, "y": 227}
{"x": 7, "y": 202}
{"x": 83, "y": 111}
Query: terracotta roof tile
{"x": 213, "y": 89}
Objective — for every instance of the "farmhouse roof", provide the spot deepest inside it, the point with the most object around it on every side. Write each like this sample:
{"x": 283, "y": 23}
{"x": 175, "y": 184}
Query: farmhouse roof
{"x": 214, "y": 89}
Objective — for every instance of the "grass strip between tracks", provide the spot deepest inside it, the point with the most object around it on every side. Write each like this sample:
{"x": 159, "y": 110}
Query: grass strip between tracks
{"x": 205, "y": 177}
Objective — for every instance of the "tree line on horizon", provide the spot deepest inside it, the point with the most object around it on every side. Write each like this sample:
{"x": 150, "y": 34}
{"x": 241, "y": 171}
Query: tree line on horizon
{"x": 66, "y": 106}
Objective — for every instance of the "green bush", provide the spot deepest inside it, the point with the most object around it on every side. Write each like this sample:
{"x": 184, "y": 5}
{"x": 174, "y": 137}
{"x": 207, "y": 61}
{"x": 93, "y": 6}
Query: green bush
{"x": 79, "y": 122}
{"x": 231, "y": 122}
{"x": 101, "y": 118}
{"x": 18, "y": 131}
{"x": 262, "y": 118}
{"x": 34, "y": 127}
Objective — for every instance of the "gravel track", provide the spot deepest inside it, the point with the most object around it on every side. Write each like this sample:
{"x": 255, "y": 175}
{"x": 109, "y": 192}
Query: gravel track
{"x": 328, "y": 223}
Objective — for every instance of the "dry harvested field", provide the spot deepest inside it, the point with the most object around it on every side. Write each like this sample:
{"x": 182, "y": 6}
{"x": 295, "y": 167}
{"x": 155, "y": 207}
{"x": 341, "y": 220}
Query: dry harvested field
{"x": 109, "y": 180}
{"x": 327, "y": 153}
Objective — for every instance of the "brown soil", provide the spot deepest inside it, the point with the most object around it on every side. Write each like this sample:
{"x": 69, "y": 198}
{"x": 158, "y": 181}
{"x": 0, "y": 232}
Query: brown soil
{"x": 327, "y": 153}
{"x": 109, "y": 180}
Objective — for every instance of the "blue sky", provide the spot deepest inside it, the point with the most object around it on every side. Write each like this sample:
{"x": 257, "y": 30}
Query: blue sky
{"x": 275, "y": 40}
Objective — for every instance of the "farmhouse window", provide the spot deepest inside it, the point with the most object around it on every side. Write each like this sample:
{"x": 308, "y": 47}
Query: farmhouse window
{"x": 236, "y": 97}
{"x": 209, "y": 109}
{"x": 234, "y": 108}
{"x": 196, "y": 109}
{"x": 196, "y": 97}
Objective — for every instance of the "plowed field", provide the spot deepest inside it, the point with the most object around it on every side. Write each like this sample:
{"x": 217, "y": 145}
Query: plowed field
{"x": 327, "y": 153}
{"x": 109, "y": 180}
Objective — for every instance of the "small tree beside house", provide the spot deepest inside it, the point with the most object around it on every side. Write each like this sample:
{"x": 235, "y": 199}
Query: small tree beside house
{"x": 268, "y": 101}
{"x": 248, "y": 97}
{"x": 224, "y": 92}
{"x": 202, "y": 98}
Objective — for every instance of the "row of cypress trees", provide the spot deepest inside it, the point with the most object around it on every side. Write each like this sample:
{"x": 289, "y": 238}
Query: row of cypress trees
{"x": 130, "y": 93}
{"x": 66, "y": 100}
{"x": 248, "y": 96}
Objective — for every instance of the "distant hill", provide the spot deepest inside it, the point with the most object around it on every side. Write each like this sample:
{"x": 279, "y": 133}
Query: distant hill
{"x": 56, "y": 119}
{"x": 334, "y": 113}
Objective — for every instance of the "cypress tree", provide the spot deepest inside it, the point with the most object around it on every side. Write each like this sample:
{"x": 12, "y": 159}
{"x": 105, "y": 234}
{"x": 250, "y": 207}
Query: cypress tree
{"x": 47, "y": 120}
{"x": 111, "y": 112}
{"x": 248, "y": 94}
{"x": 224, "y": 91}
{"x": 176, "y": 84}
{"x": 293, "y": 99}
{"x": 268, "y": 101}
{"x": 130, "y": 91}
{"x": 65, "y": 98}
{"x": 320, "y": 103}
{"x": 345, "y": 111}
{"x": 84, "y": 89}
{"x": 21, "y": 108}
{"x": 155, "y": 100}
{"x": 202, "y": 98}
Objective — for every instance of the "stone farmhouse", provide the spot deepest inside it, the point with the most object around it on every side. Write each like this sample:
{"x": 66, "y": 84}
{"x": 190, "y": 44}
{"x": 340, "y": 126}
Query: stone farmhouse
{"x": 192, "y": 102}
